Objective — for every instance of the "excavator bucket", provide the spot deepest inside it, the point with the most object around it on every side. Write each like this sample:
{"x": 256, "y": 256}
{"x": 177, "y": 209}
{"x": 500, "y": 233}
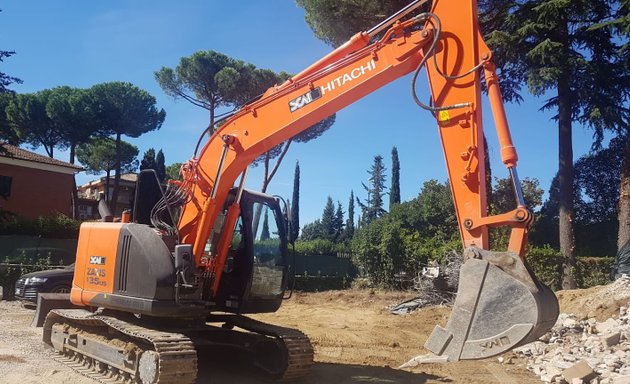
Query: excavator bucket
{"x": 500, "y": 305}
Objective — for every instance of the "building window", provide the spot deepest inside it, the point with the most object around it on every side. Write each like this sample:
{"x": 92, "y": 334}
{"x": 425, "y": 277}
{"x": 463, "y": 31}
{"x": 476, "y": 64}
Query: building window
{"x": 5, "y": 186}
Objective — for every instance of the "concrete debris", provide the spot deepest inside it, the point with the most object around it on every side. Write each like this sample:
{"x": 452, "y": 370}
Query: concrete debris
{"x": 581, "y": 371}
{"x": 583, "y": 350}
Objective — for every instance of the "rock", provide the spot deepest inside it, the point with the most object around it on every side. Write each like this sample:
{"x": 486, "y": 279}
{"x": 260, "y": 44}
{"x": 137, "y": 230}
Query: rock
{"x": 570, "y": 323}
{"x": 611, "y": 339}
{"x": 621, "y": 380}
{"x": 577, "y": 380}
{"x": 549, "y": 377}
{"x": 580, "y": 370}
{"x": 608, "y": 326}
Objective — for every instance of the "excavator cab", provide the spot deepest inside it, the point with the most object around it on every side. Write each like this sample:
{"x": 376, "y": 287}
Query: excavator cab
{"x": 255, "y": 274}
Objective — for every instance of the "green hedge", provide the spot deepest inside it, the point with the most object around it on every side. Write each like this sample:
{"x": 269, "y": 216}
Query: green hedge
{"x": 55, "y": 226}
{"x": 590, "y": 271}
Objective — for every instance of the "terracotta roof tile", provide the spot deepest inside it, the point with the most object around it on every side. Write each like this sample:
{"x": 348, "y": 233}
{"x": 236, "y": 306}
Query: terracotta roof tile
{"x": 12, "y": 151}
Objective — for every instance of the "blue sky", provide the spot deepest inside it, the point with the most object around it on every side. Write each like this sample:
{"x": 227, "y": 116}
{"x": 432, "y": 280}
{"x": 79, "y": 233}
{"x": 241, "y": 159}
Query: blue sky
{"x": 82, "y": 43}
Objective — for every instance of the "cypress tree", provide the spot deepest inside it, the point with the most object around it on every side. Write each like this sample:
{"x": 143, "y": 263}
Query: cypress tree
{"x": 394, "y": 192}
{"x": 295, "y": 204}
{"x": 350, "y": 220}
{"x": 338, "y": 222}
{"x": 160, "y": 166}
{"x": 264, "y": 234}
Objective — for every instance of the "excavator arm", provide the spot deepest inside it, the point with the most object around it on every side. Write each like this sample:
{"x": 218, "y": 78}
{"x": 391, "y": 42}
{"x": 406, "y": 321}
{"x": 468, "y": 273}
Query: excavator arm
{"x": 500, "y": 303}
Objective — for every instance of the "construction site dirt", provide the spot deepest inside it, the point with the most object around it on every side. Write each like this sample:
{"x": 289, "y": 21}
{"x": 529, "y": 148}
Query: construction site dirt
{"x": 356, "y": 340}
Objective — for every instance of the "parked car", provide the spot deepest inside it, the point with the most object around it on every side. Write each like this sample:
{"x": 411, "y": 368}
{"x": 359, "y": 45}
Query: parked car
{"x": 51, "y": 280}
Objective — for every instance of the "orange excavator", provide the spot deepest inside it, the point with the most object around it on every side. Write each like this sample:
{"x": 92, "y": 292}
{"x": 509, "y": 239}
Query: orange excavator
{"x": 182, "y": 272}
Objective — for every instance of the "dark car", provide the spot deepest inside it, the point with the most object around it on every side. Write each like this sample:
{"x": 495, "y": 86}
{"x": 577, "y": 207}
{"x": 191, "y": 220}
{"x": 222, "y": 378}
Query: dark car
{"x": 51, "y": 280}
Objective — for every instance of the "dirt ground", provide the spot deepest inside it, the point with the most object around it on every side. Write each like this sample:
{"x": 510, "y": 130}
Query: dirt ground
{"x": 356, "y": 340}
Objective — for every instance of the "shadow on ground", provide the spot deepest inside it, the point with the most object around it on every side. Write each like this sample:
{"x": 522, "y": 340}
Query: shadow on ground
{"x": 214, "y": 373}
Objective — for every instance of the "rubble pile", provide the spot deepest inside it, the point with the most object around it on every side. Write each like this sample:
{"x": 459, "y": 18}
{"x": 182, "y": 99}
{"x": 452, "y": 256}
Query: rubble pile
{"x": 579, "y": 349}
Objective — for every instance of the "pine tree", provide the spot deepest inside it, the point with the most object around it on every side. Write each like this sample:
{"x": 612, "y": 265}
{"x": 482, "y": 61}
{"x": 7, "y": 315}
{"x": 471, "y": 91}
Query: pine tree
{"x": 394, "y": 192}
{"x": 373, "y": 206}
{"x": 295, "y": 204}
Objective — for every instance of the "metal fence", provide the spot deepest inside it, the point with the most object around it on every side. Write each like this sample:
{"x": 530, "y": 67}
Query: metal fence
{"x": 323, "y": 265}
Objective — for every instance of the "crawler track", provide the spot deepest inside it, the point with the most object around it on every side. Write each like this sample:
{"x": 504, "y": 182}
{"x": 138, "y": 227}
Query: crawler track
{"x": 298, "y": 348}
{"x": 113, "y": 350}
{"x": 169, "y": 357}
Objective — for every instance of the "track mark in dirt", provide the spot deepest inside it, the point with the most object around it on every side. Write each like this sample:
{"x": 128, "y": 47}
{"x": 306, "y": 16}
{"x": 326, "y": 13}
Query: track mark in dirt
{"x": 501, "y": 375}
{"x": 11, "y": 359}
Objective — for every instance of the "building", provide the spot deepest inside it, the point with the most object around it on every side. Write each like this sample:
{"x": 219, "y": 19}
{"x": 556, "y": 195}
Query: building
{"x": 89, "y": 195}
{"x": 33, "y": 185}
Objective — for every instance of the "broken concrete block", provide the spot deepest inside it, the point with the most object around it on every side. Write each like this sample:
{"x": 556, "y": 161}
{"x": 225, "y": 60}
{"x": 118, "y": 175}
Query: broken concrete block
{"x": 580, "y": 370}
{"x": 621, "y": 380}
{"x": 611, "y": 339}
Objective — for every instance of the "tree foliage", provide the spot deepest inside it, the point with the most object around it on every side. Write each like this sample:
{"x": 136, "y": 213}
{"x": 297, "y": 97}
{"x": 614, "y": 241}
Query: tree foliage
{"x": 101, "y": 155}
{"x": 27, "y": 116}
{"x": 329, "y": 227}
{"x": 394, "y": 191}
{"x": 71, "y": 111}
{"x": 148, "y": 160}
{"x": 349, "y": 229}
{"x": 212, "y": 80}
{"x": 57, "y": 118}
{"x": 264, "y": 234}
{"x": 552, "y": 45}
{"x": 7, "y": 131}
{"x": 124, "y": 109}
{"x": 335, "y": 21}
{"x": 173, "y": 171}
{"x": 372, "y": 208}
{"x": 154, "y": 161}
{"x": 402, "y": 241}
{"x": 596, "y": 201}
{"x": 328, "y": 220}
{"x": 295, "y": 204}
{"x": 160, "y": 168}
{"x": 503, "y": 200}
{"x": 578, "y": 48}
